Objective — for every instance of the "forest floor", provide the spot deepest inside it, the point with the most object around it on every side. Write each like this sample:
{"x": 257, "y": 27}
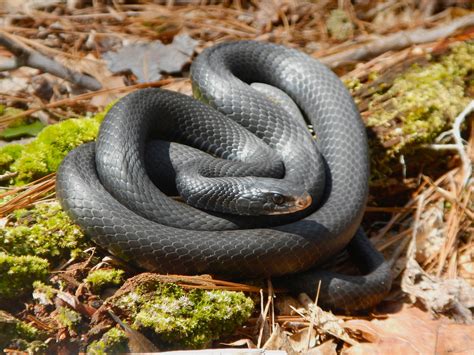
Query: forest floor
{"x": 410, "y": 68}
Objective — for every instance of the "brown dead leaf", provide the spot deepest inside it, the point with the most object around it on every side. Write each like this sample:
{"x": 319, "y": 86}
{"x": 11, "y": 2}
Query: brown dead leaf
{"x": 278, "y": 340}
{"x": 411, "y": 330}
{"x": 448, "y": 296}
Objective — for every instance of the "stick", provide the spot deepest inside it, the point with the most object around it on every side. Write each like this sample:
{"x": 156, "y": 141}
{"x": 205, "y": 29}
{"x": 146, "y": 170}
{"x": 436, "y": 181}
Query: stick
{"x": 28, "y": 57}
{"x": 458, "y": 143}
{"x": 396, "y": 41}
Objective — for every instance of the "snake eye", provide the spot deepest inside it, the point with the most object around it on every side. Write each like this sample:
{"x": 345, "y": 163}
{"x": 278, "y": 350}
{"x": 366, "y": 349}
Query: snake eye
{"x": 278, "y": 199}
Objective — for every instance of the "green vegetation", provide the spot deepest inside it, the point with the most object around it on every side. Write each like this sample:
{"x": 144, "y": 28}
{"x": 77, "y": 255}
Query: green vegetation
{"x": 68, "y": 318}
{"x": 99, "y": 279}
{"x": 43, "y": 155}
{"x": 421, "y": 103}
{"x": 8, "y": 154}
{"x": 44, "y": 231}
{"x": 34, "y": 239}
{"x": 190, "y": 319}
{"x": 113, "y": 342}
{"x": 17, "y": 274}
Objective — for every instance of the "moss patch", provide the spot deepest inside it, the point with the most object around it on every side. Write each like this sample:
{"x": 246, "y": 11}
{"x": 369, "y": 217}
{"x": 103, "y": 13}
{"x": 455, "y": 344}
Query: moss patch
{"x": 68, "y": 318}
{"x": 8, "y": 154}
{"x": 44, "y": 231}
{"x": 99, "y": 279}
{"x": 43, "y": 155}
{"x": 113, "y": 342}
{"x": 17, "y": 274}
{"x": 419, "y": 105}
{"x": 175, "y": 317}
{"x": 33, "y": 240}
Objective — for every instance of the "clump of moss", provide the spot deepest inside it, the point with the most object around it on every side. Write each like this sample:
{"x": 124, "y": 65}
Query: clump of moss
{"x": 114, "y": 341}
{"x": 43, "y": 155}
{"x": 8, "y": 154}
{"x": 68, "y": 318}
{"x": 190, "y": 319}
{"x": 44, "y": 231}
{"x": 18, "y": 334}
{"x": 17, "y": 274}
{"x": 99, "y": 279}
{"x": 419, "y": 105}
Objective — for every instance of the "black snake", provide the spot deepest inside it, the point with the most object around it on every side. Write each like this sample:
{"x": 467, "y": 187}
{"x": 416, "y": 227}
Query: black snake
{"x": 99, "y": 184}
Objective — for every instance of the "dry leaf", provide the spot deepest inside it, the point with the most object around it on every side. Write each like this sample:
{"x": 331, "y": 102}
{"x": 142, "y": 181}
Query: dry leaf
{"x": 279, "y": 341}
{"x": 149, "y": 60}
{"x": 137, "y": 342}
{"x": 450, "y": 296}
{"x": 411, "y": 330}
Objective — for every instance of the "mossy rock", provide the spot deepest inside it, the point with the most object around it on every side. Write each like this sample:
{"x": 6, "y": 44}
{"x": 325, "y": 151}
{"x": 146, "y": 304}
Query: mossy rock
{"x": 174, "y": 317}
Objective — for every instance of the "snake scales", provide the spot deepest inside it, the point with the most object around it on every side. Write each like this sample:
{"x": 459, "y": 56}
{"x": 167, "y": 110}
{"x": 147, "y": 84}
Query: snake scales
{"x": 99, "y": 184}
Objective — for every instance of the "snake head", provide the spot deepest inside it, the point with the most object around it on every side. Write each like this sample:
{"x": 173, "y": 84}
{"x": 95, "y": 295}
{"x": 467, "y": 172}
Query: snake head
{"x": 272, "y": 197}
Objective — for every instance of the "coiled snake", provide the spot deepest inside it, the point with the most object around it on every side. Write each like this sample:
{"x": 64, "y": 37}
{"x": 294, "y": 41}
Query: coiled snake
{"x": 114, "y": 189}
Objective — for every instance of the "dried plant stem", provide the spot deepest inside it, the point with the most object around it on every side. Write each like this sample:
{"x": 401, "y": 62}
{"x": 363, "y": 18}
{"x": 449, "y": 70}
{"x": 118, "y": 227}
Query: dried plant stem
{"x": 25, "y": 56}
{"x": 397, "y": 41}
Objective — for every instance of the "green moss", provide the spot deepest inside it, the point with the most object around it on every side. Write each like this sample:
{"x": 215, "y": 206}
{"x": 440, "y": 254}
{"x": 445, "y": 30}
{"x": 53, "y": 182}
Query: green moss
{"x": 44, "y": 231}
{"x": 8, "y": 154}
{"x": 113, "y": 342}
{"x": 419, "y": 105}
{"x": 101, "y": 278}
{"x": 17, "y": 274}
{"x": 68, "y": 318}
{"x": 18, "y": 334}
{"x": 190, "y": 319}
{"x": 43, "y": 155}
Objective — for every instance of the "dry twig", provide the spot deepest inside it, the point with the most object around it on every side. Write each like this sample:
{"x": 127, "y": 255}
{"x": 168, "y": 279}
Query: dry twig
{"x": 25, "y": 56}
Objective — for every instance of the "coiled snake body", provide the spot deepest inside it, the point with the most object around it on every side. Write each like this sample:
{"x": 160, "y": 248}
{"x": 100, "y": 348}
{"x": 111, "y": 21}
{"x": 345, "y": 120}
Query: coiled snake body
{"x": 100, "y": 184}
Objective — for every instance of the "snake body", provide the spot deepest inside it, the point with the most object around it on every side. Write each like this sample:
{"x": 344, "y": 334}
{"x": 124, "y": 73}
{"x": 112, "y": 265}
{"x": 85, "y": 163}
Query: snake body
{"x": 106, "y": 189}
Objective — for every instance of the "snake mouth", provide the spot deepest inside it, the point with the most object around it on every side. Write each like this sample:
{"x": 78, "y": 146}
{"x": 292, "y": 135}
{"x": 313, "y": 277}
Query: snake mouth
{"x": 303, "y": 202}
{"x": 296, "y": 205}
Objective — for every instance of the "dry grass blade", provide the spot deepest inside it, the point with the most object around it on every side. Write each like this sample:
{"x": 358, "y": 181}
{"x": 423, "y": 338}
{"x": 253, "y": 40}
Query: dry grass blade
{"x": 27, "y": 195}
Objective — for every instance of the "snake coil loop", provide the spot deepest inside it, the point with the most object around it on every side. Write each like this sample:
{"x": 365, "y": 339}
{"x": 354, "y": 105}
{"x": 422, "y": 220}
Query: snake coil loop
{"x": 106, "y": 189}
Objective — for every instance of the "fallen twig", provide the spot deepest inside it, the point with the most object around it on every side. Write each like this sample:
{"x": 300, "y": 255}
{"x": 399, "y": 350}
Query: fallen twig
{"x": 396, "y": 41}
{"x": 458, "y": 145}
{"x": 25, "y": 56}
